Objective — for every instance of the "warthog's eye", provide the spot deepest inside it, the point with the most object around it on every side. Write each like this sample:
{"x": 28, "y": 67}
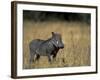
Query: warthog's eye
{"x": 57, "y": 42}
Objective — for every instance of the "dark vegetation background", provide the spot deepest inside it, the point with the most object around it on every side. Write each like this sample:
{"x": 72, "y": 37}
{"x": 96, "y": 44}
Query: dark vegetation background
{"x": 74, "y": 28}
{"x": 52, "y": 16}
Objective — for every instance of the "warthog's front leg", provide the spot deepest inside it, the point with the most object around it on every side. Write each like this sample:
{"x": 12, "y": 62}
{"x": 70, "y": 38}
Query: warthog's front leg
{"x": 54, "y": 57}
{"x": 49, "y": 58}
{"x": 37, "y": 57}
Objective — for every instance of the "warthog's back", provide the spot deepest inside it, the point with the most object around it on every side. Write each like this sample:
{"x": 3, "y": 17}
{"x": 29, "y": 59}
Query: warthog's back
{"x": 34, "y": 44}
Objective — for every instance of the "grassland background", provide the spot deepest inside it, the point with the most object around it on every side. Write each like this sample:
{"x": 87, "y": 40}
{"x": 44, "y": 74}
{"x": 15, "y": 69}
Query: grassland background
{"x": 75, "y": 36}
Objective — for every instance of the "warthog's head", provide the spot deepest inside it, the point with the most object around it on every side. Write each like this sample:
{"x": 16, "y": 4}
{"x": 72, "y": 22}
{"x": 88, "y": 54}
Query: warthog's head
{"x": 57, "y": 40}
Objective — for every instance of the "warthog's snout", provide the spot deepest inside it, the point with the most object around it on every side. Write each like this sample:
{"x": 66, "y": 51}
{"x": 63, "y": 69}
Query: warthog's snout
{"x": 62, "y": 47}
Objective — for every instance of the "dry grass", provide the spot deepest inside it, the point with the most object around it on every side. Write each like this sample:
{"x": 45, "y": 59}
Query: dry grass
{"x": 75, "y": 36}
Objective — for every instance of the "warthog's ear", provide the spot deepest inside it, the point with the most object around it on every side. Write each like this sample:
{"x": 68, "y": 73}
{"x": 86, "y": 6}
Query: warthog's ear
{"x": 53, "y": 33}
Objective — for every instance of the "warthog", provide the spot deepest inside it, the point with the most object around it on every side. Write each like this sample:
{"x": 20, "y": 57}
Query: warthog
{"x": 48, "y": 47}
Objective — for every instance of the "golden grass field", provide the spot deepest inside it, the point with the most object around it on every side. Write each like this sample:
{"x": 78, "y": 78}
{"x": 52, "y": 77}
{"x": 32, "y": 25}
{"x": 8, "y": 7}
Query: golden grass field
{"x": 75, "y": 36}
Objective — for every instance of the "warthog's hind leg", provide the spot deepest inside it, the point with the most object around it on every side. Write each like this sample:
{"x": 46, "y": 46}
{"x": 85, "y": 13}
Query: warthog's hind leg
{"x": 32, "y": 57}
